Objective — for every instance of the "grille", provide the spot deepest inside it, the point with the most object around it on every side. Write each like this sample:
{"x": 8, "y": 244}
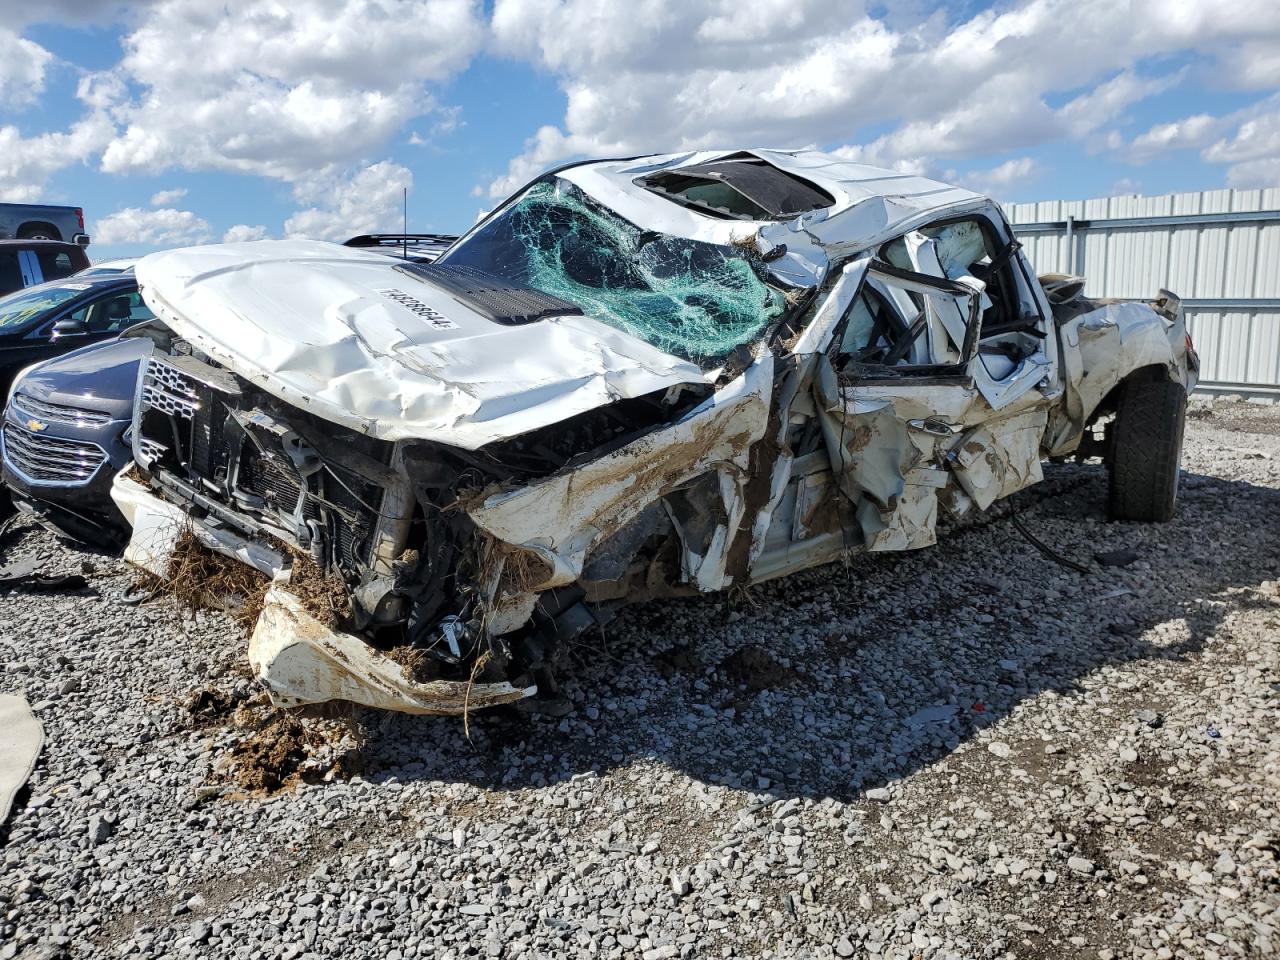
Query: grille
{"x": 208, "y": 448}
{"x": 150, "y": 450}
{"x": 26, "y": 406}
{"x": 181, "y": 430}
{"x": 50, "y": 459}
{"x": 167, "y": 390}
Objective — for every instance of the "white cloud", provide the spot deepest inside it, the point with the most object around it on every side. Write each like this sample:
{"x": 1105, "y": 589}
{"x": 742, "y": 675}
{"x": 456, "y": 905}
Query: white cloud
{"x": 165, "y": 198}
{"x": 20, "y": 13}
{"x": 1263, "y": 172}
{"x": 1256, "y": 138}
{"x": 22, "y": 69}
{"x": 243, "y": 231}
{"x": 702, "y": 73}
{"x": 998, "y": 180}
{"x": 1188, "y": 132}
{"x": 1252, "y": 149}
{"x": 1256, "y": 65}
{"x": 1246, "y": 141}
{"x": 368, "y": 201}
{"x": 1107, "y": 101}
{"x": 282, "y": 90}
{"x": 165, "y": 227}
{"x": 27, "y": 163}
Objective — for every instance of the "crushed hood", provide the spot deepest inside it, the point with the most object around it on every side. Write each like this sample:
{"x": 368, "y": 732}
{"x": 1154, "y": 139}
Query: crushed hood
{"x": 345, "y": 335}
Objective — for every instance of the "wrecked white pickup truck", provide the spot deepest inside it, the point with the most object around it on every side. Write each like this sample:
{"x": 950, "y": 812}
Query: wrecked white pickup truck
{"x": 633, "y": 379}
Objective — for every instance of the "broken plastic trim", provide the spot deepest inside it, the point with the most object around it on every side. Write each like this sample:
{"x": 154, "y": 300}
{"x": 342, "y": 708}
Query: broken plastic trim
{"x": 300, "y": 661}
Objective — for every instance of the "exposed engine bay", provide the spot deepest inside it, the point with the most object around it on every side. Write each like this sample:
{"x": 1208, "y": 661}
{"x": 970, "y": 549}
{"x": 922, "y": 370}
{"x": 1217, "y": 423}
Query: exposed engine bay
{"x": 385, "y": 519}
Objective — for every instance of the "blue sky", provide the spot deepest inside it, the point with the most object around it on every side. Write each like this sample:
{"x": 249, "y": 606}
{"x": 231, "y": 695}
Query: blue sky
{"x": 179, "y": 121}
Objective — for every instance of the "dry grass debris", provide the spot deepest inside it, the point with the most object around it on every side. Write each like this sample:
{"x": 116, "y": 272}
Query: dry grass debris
{"x": 747, "y": 244}
{"x": 197, "y": 578}
{"x": 323, "y": 596}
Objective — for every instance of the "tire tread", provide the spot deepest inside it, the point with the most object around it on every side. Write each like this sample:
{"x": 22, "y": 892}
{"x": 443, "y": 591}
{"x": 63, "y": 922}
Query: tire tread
{"x": 1146, "y": 448}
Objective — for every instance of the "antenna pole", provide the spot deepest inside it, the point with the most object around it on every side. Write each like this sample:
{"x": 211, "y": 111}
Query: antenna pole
{"x": 406, "y": 223}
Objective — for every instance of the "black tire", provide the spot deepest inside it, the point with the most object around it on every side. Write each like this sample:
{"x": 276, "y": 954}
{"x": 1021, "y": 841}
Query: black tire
{"x": 39, "y": 231}
{"x": 1146, "y": 447}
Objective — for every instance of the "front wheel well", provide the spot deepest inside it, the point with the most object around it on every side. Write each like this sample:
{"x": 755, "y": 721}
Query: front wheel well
{"x": 1154, "y": 373}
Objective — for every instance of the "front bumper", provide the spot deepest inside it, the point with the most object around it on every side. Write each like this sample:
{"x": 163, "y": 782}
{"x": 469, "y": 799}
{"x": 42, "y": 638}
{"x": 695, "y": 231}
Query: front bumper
{"x": 294, "y": 656}
{"x": 80, "y": 504}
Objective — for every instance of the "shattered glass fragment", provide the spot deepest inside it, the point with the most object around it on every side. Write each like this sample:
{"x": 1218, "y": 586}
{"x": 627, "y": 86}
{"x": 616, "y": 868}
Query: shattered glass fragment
{"x": 693, "y": 299}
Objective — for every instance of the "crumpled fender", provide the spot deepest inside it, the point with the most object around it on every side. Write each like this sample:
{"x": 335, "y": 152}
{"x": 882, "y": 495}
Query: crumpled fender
{"x": 562, "y": 517}
{"x": 1102, "y": 347}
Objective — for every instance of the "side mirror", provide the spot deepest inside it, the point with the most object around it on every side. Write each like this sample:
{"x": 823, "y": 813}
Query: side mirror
{"x": 69, "y": 327}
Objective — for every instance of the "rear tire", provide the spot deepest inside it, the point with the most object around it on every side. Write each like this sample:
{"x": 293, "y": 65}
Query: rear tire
{"x": 39, "y": 231}
{"x": 1146, "y": 449}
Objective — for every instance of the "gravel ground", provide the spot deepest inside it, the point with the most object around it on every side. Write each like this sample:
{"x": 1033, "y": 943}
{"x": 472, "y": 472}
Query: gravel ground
{"x": 967, "y": 751}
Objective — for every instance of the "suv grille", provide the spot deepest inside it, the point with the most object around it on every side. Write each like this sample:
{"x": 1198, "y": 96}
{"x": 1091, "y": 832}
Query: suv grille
{"x": 25, "y": 406}
{"x": 47, "y": 459}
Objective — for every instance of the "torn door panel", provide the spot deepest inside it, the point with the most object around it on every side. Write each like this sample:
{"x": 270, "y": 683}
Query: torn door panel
{"x": 908, "y": 524}
{"x": 1000, "y": 458}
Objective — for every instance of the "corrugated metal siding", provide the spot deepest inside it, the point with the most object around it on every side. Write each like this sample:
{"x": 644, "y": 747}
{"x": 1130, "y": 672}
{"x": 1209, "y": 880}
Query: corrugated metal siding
{"x": 1226, "y": 261}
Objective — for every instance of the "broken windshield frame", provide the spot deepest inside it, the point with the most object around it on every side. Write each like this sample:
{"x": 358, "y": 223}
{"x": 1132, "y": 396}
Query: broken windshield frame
{"x": 699, "y": 301}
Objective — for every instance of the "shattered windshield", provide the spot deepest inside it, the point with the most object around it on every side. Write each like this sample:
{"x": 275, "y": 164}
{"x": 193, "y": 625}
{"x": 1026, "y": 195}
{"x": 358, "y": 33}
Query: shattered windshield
{"x": 693, "y": 299}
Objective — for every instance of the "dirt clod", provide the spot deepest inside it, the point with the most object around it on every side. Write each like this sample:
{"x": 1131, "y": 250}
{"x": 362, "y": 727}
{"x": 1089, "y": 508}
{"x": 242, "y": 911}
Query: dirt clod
{"x": 274, "y": 756}
{"x": 208, "y": 706}
{"x": 416, "y": 663}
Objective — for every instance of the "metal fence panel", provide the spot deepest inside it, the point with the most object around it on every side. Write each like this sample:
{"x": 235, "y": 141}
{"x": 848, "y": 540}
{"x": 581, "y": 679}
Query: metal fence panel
{"x": 1221, "y": 245}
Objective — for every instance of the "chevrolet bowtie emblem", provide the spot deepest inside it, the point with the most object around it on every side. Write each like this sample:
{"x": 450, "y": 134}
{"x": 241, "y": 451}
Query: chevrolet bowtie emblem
{"x": 36, "y": 426}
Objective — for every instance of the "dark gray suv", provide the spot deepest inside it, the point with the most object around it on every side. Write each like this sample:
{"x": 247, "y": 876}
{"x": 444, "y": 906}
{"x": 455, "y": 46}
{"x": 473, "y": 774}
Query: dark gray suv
{"x": 62, "y": 438}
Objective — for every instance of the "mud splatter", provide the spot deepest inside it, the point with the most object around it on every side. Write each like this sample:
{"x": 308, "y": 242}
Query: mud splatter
{"x": 323, "y": 596}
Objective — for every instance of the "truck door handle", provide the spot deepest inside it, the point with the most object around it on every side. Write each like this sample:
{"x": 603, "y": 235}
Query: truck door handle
{"x": 934, "y": 427}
